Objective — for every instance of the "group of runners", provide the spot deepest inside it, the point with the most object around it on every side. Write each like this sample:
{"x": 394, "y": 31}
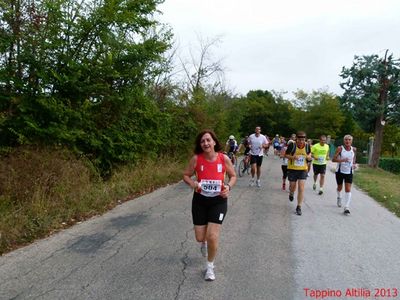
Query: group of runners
{"x": 212, "y": 175}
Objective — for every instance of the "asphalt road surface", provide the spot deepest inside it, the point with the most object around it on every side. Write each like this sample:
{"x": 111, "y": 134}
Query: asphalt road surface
{"x": 145, "y": 249}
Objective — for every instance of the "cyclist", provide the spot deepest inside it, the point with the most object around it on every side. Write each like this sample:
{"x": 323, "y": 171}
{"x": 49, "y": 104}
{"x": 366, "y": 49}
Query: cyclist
{"x": 231, "y": 148}
{"x": 245, "y": 143}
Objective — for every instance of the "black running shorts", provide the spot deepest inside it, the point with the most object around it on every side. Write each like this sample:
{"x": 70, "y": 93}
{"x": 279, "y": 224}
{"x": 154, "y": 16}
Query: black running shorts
{"x": 319, "y": 169}
{"x": 340, "y": 177}
{"x": 208, "y": 209}
{"x": 294, "y": 175}
{"x": 256, "y": 159}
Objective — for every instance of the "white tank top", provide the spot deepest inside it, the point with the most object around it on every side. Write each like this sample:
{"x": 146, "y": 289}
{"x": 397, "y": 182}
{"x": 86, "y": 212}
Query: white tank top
{"x": 347, "y": 166}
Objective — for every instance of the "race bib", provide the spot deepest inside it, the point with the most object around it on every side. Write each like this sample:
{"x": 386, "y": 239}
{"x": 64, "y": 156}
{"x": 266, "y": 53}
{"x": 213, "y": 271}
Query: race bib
{"x": 299, "y": 162}
{"x": 210, "y": 188}
{"x": 321, "y": 159}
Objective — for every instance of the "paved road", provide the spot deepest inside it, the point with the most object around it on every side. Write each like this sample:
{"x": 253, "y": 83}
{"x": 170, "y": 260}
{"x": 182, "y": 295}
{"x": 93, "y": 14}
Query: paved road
{"x": 145, "y": 249}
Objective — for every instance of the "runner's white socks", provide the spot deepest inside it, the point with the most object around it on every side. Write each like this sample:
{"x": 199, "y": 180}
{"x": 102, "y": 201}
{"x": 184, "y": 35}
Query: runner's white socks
{"x": 347, "y": 198}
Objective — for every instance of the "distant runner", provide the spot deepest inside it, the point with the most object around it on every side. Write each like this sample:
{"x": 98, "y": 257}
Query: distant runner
{"x": 345, "y": 156}
{"x": 298, "y": 154}
{"x": 320, "y": 154}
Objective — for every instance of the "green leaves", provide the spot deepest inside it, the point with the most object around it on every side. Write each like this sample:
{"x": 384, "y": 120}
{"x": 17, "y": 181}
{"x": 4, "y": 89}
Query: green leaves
{"x": 372, "y": 88}
{"x": 77, "y": 72}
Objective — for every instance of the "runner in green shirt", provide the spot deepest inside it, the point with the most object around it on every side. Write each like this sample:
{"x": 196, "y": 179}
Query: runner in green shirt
{"x": 320, "y": 154}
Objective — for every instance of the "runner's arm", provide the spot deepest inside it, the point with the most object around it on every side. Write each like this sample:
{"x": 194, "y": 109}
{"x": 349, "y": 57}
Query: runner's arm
{"x": 335, "y": 157}
{"x": 189, "y": 172}
{"x": 230, "y": 171}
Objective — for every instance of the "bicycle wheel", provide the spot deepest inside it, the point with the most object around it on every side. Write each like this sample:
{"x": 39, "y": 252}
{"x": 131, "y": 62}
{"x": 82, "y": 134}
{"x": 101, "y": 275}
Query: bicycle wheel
{"x": 248, "y": 168}
{"x": 241, "y": 168}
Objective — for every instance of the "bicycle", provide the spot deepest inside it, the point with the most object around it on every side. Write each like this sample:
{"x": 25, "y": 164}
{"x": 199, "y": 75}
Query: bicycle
{"x": 244, "y": 166}
{"x": 233, "y": 158}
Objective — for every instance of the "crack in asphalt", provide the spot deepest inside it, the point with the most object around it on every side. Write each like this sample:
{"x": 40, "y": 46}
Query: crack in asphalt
{"x": 185, "y": 264}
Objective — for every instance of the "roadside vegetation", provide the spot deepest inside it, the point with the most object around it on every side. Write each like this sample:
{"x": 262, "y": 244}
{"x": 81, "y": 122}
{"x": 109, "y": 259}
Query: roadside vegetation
{"x": 46, "y": 190}
{"x": 381, "y": 185}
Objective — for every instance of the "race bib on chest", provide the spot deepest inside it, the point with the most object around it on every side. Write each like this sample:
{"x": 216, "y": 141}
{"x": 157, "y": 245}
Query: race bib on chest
{"x": 210, "y": 188}
{"x": 299, "y": 162}
{"x": 321, "y": 159}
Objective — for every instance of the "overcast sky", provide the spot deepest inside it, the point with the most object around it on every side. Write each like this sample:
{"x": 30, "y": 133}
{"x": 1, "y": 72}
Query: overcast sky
{"x": 288, "y": 44}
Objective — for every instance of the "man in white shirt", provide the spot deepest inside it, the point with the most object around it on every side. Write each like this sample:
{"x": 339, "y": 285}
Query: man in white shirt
{"x": 258, "y": 142}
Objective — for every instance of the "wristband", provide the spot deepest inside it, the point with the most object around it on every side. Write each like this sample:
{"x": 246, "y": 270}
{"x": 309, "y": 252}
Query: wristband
{"x": 229, "y": 186}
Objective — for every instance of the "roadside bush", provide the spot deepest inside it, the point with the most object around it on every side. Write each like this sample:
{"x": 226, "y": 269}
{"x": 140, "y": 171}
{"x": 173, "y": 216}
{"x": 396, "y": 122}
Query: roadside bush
{"x": 390, "y": 164}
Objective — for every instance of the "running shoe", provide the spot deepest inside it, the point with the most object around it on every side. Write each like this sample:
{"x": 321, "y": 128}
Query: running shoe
{"x": 298, "y": 210}
{"x": 203, "y": 249}
{"x": 314, "y": 186}
{"x": 210, "y": 276}
{"x": 291, "y": 197}
{"x": 251, "y": 182}
{"x": 346, "y": 211}
{"x": 339, "y": 202}
{"x": 258, "y": 183}
{"x": 320, "y": 192}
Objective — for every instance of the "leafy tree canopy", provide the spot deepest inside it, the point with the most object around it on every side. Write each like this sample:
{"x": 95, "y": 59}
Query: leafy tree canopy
{"x": 372, "y": 88}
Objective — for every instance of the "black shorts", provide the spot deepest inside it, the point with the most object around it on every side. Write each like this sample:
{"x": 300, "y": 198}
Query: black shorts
{"x": 284, "y": 171}
{"x": 256, "y": 159}
{"x": 319, "y": 169}
{"x": 246, "y": 151}
{"x": 294, "y": 175}
{"x": 340, "y": 177}
{"x": 208, "y": 209}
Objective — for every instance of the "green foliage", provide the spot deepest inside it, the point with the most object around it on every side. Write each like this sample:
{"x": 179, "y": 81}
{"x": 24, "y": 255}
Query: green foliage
{"x": 391, "y": 140}
{"x": 75, "y": 73}
{"x": 390, "y": 164}
{"x": 259, "y": 108}
{"x": 372, "y": 88}
{"x": 318, "y": 113}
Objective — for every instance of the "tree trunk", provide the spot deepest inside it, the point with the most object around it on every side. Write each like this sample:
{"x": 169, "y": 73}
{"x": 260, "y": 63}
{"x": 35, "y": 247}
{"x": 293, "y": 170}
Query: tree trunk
{"x": 376, "y": 152}
{"x": 380, "y": 122}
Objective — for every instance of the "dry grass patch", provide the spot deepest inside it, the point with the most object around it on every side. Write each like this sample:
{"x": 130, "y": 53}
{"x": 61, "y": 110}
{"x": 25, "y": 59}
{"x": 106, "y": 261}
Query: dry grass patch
{"x": 45, "y": 190}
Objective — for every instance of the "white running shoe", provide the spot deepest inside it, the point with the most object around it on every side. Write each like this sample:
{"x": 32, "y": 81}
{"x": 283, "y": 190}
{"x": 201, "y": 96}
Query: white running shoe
{"x": 251, "y": 182}
{"x": 339, "y": 202}
{"x": 210, "y": 276}
{"x": 258, "y": 183}
{"x": 203, "y": 249}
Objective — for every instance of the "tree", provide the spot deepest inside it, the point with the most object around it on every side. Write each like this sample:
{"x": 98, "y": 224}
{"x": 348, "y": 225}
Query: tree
{"x": 204, "y": 72}
{"x": 372, "y": 94}
{"x": 259, "y": 110}
{"x": 317, "y": 113}
{"x": 75, "y": 73}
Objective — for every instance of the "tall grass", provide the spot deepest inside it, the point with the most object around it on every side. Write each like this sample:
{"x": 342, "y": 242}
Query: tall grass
{"x": 45, "y": 190}
{"x": 381, "y": 185}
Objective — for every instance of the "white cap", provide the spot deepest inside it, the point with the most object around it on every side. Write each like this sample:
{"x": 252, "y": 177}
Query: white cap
{"x": 231, "y": 137}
